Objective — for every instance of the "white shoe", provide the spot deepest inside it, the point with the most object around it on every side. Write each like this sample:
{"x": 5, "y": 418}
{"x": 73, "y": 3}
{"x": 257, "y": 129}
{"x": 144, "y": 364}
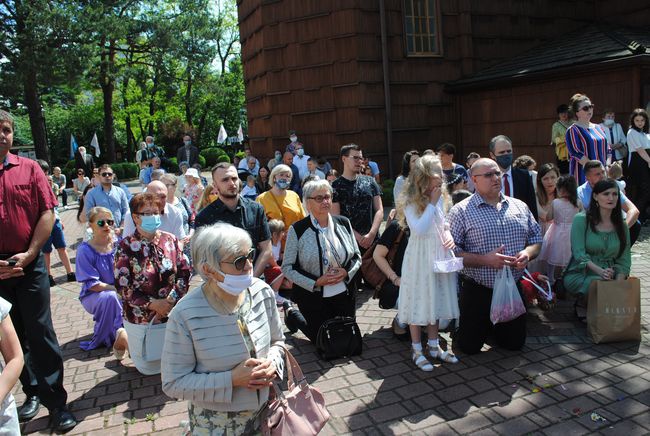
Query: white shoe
{"x": 442, "y": 355}
{"x": 421, "y": 361}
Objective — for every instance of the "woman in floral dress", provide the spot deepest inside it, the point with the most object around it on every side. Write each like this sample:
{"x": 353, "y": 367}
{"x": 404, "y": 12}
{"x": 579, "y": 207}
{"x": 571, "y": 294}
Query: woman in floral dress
{"x": 193, "y": 189}
{"x": 151, "y": 274}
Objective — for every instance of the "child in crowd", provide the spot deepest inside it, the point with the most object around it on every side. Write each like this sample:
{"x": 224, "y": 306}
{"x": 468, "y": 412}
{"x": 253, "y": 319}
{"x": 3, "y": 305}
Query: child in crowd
{"x": 556, "y": 248}
{"x": 250, "y": 190}
{"x": 425, "y": 296}
{"x": 332, "y": 175}
{"x": 12, "y": 355}
{"x": 615, "y": 171}
{"x": 193, "y": 189}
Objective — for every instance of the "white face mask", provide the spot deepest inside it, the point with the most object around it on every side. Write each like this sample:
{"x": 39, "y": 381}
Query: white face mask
{"x": 293, "y": 138}
{"x": 608, "y": 122}
{"x": 235, "y": 284}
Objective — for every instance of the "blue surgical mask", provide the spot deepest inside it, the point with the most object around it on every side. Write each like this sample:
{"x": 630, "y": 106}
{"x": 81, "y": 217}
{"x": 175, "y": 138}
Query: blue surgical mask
{"x": 150, "y": 223}
{"x": 150, "y": 145}
{"x": 282, "y": 184}
{"x": 278, "y": 157}
{"x": 300, "y": 152}
{"x": 504, "y": 160}
{"x": 188, "y": 143}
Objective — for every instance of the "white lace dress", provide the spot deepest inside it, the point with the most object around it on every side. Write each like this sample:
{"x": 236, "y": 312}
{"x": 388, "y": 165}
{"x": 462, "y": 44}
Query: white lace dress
{"x": 426, "y": 296}
{"x": 8, "y": 412}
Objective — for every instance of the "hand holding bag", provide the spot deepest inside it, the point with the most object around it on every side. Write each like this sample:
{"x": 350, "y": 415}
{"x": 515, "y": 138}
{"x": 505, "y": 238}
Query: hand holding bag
{"x": 614, "y": 310}
{"x": 300, "y": 412}
{"x": 449, "y": 263}
{"x": 506, "y": 301}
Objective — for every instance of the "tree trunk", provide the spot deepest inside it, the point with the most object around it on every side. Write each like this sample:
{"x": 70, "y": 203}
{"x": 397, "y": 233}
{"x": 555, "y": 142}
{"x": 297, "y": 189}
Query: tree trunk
{"x": 108, "y": 86}
{"x": 36, "y": 119}
{"x": 188, "y": 98}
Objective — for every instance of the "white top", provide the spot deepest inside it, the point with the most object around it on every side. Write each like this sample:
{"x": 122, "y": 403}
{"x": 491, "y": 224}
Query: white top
{"x": 637, "y": 140}
{"x": 171, "y": 222}
{"x": 398, "y": 187}
{"x": 243, "y": 165}
{"x": 276, "y": 249}
{"x": 301, "y": 164}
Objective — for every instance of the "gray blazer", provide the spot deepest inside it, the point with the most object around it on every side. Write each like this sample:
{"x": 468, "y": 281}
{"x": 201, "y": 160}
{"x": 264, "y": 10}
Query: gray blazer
{"x": 303, "y": 258}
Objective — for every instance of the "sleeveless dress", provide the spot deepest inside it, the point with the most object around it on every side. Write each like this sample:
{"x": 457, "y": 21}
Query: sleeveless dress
{"x": 424, "y": 295}
{"x": 556, "y": 249}
{"x": 8, "y": 413}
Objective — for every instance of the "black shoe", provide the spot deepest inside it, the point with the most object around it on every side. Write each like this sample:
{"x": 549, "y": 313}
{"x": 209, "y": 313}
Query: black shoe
{"x": 29, "y": 409}
{"x": 62, "y": 420}
{"x": 71, "y": 277}
{"x": 52, "y": 282}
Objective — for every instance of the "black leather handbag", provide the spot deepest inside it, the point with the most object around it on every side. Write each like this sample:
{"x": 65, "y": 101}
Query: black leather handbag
{"x": 339, "y": 337}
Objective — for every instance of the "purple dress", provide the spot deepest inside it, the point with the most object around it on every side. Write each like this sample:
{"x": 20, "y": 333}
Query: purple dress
{"x": 94, "y": 267}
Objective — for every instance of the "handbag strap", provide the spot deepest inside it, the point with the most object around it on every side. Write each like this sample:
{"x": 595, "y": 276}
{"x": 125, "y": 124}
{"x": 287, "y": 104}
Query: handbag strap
{"x": 294, "y": 372}
{"x": 277, "y": 204}
{"x": 529, "y": 278}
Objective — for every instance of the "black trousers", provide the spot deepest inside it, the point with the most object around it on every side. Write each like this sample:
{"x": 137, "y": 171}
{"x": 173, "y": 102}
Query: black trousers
{"x": 635, "y": 230}
{"x": 64, "y": 198}
{"x": 317, "y": 309}
{"x": 29, "y": 296}
{"x": 475, "y": 324}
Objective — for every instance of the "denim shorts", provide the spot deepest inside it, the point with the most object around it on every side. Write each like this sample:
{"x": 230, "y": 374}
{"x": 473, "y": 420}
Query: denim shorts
{"x": 56, "y": 238}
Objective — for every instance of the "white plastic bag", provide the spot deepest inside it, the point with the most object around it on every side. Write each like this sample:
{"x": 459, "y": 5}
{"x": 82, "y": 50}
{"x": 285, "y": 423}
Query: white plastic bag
{"x": 506, "y": 301}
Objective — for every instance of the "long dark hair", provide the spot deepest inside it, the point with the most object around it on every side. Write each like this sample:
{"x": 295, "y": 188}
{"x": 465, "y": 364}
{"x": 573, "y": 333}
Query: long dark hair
{"x": 406, "y": 162}
{"x": 594, "y": 217}
{"x": 642, "y": 113}
{"x": 541, "y": 192}
{"x": 569, "y": 184}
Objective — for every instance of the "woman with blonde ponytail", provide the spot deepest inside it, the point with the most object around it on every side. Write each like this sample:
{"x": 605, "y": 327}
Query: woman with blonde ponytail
{"x": 425, "y": 296}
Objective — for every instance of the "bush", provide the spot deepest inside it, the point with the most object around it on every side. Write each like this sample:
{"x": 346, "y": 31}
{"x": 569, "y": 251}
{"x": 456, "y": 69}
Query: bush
{"x": 387, "y": 192}
{"x": 201, "y": 161}
{"x": 131, "y": 170}
{"x": 69, "y": 169}
{"x": 172, "y": 165}
{"x": 223, "y": 158}
{"x": 240, "y": 154}
{"x": 211, "y": 155}
{"x": 118, "y": 169}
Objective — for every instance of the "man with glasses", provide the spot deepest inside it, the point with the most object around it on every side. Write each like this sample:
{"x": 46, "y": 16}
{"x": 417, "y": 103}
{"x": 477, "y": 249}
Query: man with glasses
{"x": 517, "y": 183}
{"x": 238, "y": 211}
{"x": 358, "y": 198}
{"x": 26, "y": 218}
{"x": 491, "y": 230}
{"x": 171, "y": 220}
{"x": 109, "y": 196}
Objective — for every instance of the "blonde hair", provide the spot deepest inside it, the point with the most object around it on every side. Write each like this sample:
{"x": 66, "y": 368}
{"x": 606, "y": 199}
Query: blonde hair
{"x": 615, "y": 171}
{"x": 96, "y": 211}
{"x": 276, "y": 226}
{"x": 279, "y": 168}
{"x": 417, "y": 184}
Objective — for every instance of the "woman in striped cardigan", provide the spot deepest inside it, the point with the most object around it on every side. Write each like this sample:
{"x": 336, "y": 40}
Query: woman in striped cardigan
{"x": 223, "y": 342}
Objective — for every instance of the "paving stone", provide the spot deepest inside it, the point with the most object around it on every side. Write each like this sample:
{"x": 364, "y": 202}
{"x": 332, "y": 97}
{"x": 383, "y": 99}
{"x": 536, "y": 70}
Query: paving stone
{"x": 566, "y": 428}
{"x": 627, "y": 428}
{"x": 517, "y": 426}
{"x": 627, "y": 407}
{"x": 470, "y": 423}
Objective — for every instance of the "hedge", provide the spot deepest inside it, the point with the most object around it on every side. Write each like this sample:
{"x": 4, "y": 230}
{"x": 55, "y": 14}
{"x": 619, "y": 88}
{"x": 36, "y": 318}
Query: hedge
{"x": 223, "y": 158}
{"x": 211, "y": 155}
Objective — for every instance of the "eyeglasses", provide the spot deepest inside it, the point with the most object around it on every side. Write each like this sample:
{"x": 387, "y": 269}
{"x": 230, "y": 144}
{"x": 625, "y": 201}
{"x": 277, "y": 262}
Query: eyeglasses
{"x": 107, "y": 174}
{"x": 587, "y": 108}
{"x": 102, "y": 223}
{"x": 489, "y": 175}
{"x": 80, "y": 174}
{"x": 321, "y": 198}
{"x": 240, "y": 261}
{"x": 170, "y": 184}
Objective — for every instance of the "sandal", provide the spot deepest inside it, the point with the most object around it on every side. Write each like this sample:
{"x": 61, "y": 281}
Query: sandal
{"x": 442, "y": 355}
{"x": 421, "y": 361}
{"x": 120, "y": 354}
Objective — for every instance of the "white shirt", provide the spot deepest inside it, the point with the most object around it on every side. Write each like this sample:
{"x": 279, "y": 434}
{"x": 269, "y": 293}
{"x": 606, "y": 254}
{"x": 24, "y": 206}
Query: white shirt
{"x": 512, "y": 187}
{"x": 171, "y": 222}
{"x": 301, "y": 164}
{"x": 635, "y": 141}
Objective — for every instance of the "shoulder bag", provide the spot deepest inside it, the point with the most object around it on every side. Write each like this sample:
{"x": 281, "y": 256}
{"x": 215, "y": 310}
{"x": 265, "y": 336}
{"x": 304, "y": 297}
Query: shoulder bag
{"x": 301, "y": 411}
{"x": 371, "y": 272}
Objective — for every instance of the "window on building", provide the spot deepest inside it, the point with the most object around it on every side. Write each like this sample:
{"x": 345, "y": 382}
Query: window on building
{"x": 422, "y": 28}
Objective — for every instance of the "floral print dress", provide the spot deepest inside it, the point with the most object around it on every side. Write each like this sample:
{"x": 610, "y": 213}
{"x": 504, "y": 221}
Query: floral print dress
{"x": 146, "y": 270}
{"x": 192, "y": 193}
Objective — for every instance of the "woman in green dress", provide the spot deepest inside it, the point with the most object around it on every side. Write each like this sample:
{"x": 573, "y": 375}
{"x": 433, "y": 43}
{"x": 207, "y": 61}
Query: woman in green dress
{"x": 600, "y": 243}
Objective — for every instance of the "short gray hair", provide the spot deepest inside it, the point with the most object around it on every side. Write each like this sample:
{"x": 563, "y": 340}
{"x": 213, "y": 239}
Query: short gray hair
{"x": 211, "y": 244}
{"x": 493, "y": 142}
{"x": 279, "y": 168}
{"x": 169, "y": 179}
{"x": 314, "y": 186}
{"x": 157, "y": 174}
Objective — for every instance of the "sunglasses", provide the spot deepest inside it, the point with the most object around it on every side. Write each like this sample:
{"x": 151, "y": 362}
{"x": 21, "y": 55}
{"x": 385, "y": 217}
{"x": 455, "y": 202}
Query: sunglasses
{"x": 80, "y": 174}
{"x": 587, "y": 108}
{"x": 107, "y": 174}
{"x": 320, "y": 198}
{"x": 240, "y": 261}
{"x": 102, "y": 223}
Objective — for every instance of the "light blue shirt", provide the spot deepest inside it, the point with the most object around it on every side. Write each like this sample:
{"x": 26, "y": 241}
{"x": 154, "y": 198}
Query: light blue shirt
{"x": 114, "y": 200}
{"x": 584, "y": 195}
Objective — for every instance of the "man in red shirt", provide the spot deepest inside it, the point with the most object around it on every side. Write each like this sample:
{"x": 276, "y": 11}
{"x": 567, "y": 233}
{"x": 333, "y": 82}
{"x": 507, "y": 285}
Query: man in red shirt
{"x": 26, "y": 213}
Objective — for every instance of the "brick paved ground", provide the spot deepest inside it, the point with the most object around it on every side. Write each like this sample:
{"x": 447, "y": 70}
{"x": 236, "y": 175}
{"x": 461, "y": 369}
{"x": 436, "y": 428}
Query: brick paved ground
{"x": 551, "y": 387}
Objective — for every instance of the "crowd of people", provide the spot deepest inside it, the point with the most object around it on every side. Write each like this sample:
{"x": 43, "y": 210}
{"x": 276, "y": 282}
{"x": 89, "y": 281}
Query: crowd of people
{"x": 291, "y": 234}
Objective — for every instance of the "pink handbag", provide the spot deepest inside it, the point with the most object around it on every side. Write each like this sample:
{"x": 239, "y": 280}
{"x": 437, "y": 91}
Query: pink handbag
{"x": 300, "y": 412}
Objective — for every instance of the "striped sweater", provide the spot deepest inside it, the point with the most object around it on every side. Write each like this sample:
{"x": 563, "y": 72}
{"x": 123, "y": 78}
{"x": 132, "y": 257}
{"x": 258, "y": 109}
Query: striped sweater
{"x": 202, "y": 347}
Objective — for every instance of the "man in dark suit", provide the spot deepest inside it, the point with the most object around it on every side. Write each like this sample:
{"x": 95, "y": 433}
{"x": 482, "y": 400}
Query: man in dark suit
{"x": 515, "y": 182}
{"x": 188, "y": 152}
{"x": 84, "y": 161}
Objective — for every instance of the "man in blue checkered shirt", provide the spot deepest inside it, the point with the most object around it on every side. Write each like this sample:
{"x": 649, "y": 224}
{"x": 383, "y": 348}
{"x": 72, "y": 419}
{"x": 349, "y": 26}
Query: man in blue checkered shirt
{"x": 490, "y": 231}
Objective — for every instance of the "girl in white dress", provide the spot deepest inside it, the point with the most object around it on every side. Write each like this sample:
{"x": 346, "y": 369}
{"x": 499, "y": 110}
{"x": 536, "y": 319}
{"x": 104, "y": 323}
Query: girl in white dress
{"x": 425, "y": 296}
{"x": 12, "y": 354}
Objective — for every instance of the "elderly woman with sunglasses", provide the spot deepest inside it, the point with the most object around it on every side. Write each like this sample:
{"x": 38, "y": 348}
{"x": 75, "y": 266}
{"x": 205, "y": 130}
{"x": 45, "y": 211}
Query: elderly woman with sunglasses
{"x": 321, "y": 257}
{"x": 152, "y": 274}
{"x": 98, "y": 294}
{"x": 223, "y": 345}
{"x": 585, "y": 140}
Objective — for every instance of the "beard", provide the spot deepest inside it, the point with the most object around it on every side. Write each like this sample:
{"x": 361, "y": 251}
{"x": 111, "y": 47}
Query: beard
{"x": 227, "y": 193}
